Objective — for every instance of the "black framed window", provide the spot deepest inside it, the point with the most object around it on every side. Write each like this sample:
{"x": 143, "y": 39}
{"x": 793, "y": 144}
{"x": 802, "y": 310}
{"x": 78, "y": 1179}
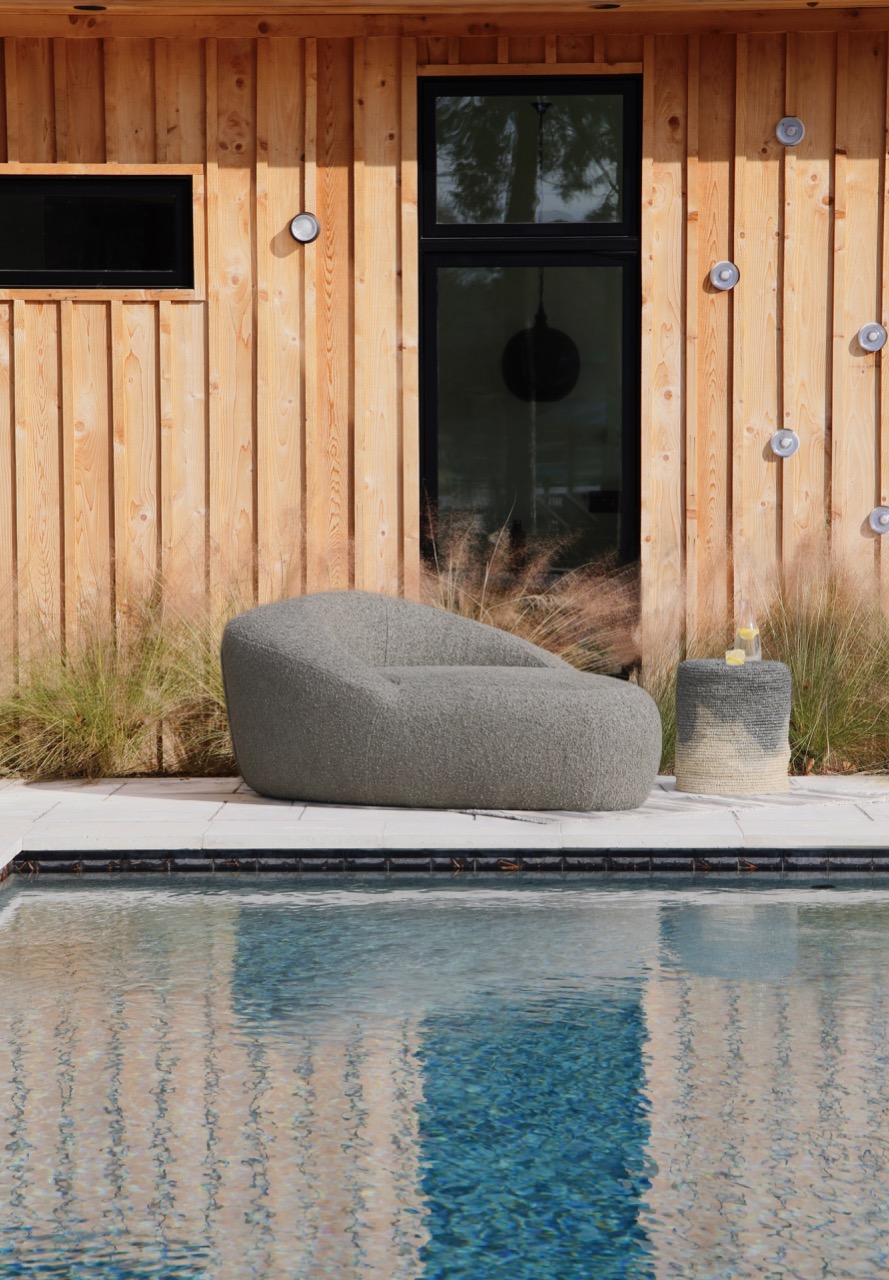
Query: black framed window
{"x": 530, "y": 157}
{"x": 530, "y": 278}
{"x": 93, "y": 231}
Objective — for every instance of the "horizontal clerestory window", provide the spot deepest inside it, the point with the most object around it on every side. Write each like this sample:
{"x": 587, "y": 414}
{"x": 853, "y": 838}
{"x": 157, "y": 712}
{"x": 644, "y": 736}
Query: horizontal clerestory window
{"x": 93, "y": 232}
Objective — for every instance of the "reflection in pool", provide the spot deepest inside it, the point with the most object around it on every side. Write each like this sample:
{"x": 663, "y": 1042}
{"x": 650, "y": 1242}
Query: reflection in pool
{"x": 537, "y": 1080}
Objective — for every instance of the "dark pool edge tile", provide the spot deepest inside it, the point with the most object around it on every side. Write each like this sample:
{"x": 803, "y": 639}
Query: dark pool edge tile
{"x": 700, "y": 862}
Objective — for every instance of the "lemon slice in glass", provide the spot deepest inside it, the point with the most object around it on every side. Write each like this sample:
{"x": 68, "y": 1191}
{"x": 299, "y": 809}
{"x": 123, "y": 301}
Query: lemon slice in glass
{"x": 735, "y": 657}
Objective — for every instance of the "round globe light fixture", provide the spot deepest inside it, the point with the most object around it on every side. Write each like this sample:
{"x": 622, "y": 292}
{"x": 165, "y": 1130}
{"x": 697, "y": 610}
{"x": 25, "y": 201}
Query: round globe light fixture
{"x": 790, "y": 131}
{"x": 872, "y": 337}
{"x": 879, "y": 520}
{"x": 305, "y": 228}
{"x": 724, "y": 275}
{"x": 784, "y": 443}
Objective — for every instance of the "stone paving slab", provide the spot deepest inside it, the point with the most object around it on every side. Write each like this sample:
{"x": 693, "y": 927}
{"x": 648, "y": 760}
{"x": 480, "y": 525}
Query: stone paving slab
{"x": 137, "y": 810}
{"x": 292, "y": 835}
{"x": 817, "y": 820}
{"x": 122, "y": 836}
{"x": 811, "y": 827}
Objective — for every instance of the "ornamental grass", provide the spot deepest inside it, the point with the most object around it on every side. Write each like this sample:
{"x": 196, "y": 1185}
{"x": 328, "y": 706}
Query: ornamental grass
{"x": 147, "y": 698}
{"x": 144, "y": 699}
{"x": 587, "y": 616}
{"x": 826, "y": 623}
{"x": 822, "y": 618}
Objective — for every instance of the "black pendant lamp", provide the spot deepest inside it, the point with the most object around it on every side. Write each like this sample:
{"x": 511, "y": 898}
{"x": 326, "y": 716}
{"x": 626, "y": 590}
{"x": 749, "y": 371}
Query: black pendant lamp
{"x": 540, "y": 363}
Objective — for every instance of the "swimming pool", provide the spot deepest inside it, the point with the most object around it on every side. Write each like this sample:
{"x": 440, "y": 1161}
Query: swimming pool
{"x": 537, "y": 1080}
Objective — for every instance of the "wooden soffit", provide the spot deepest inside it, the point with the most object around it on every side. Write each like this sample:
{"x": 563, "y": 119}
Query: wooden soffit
{"x": 427, "y": 9}
{"x": 427, "y": 17}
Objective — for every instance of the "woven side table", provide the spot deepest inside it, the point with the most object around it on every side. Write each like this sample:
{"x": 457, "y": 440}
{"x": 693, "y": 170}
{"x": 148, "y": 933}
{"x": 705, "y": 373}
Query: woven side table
{"x": 732, "y": 727}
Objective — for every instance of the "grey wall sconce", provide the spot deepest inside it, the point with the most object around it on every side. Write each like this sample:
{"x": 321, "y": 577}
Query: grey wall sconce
{"x": 784, "y": 443}
{"x": 725, "y": 275}
{"x": 305, "y": 228}
{"x": 790, "y": 131}
{"x": 879, "y": 520}
{"x": 871, "y": 337}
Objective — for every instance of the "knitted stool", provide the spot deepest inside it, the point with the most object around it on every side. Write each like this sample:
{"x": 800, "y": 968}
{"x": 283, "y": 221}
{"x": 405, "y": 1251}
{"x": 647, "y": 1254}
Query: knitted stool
{"x": 732, "y": 727}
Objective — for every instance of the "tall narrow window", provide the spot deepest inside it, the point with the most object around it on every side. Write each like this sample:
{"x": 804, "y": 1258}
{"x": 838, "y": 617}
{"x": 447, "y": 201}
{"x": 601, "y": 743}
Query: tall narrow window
{"x": 530, "y": 277}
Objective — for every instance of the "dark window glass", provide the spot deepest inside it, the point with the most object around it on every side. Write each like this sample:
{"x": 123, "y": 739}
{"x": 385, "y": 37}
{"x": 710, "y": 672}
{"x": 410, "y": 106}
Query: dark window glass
{"x": 96, "y": 231}
{"x": 530, "y": 275}
{"x": 529, "y": 158}
{"x": 531, "y": 419}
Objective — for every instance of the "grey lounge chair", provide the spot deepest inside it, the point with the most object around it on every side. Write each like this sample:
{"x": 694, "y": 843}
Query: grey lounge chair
{"x": 356, "y": 698}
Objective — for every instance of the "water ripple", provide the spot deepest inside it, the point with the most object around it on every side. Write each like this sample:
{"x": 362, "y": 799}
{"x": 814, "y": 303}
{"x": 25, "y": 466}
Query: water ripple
{"x": 538, "y": 1082}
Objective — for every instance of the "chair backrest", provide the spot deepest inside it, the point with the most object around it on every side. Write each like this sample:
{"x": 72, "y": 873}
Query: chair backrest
{"x": 339, "y": 629}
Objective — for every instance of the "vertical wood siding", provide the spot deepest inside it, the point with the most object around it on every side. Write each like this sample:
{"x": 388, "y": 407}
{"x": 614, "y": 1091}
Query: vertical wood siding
{"x": 807, "y": 227}
{"x": 265, "y": 440}
{"x": 807, "y": 303}
{"x": 663, "y": 298}
{"x": 211, "y": 446}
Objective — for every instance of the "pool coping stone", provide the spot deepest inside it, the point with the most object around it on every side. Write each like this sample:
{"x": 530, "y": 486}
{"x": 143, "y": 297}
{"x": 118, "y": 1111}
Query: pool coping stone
{"x": 211, "y": 824}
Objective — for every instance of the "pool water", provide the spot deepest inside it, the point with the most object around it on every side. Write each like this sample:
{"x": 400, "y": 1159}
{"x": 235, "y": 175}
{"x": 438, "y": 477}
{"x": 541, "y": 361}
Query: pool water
{"x": 537, "y": 1080}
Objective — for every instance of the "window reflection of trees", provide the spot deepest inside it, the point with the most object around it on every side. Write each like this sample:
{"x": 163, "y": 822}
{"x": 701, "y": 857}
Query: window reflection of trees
{"x": 488, "y": 153}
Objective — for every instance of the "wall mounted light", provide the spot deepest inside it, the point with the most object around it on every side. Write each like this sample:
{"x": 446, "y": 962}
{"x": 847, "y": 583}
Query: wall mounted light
{"x": 879, "y": 520}
{"x": 784, "y": 443}
{"x": 305, "y": 228}
{"x": 725, "y": 275}
{"x": 790, "y": 131}
{"x": 871, "y": 337}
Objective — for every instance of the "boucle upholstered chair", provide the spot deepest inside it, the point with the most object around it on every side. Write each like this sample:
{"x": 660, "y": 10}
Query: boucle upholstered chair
{"x": 356, "y": 698}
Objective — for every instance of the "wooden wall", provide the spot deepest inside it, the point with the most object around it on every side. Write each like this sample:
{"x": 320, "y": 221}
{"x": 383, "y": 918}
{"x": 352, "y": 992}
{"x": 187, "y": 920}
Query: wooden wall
{"x": 260, "y": 436}
{"x": 806, "y": 226}
{"x": 247, "y": 439}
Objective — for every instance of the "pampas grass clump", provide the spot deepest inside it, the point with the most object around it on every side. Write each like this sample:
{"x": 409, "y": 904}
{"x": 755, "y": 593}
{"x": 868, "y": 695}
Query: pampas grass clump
{"x": 586, "y": 616}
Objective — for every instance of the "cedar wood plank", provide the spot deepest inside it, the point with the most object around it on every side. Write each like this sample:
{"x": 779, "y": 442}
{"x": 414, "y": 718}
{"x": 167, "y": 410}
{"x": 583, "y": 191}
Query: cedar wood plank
{"x": 282, "y": 265}
{"x": 758, "y": 229}
{"x": 232, "y": 448}
{"x": 663, "y": 290}
{"x": 808, "y": 170}
{"x": 861, "y": 94}
{"x": 332, "y": 371}
{"x": 377, "y": 402}
{"x": 92, "y": 481}
{"x": 713, "y": 389}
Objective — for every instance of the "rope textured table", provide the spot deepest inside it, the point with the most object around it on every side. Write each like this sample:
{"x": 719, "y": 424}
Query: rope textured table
{"x": 732, "y": 727}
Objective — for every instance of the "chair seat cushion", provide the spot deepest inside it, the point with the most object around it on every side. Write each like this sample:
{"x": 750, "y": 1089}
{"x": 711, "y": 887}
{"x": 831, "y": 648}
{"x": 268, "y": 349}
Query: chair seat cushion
{"x": 515, "y": 738}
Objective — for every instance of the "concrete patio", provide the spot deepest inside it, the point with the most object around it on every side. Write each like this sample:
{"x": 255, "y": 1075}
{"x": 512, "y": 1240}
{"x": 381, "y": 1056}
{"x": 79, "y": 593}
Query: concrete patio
{"x": 207, "y": 824}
